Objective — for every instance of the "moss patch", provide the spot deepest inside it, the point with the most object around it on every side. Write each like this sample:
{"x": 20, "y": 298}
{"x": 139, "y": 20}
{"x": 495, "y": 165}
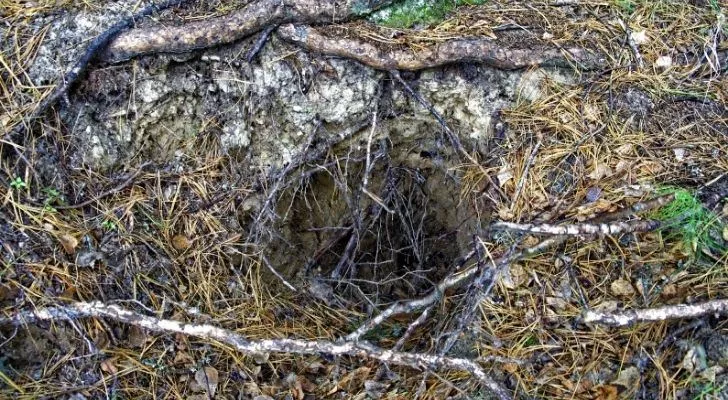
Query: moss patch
{"x": 409, "y": 13}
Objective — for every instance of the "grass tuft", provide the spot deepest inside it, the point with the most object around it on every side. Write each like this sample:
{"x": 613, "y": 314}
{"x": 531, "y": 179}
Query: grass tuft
{"x": 687, "y": 220}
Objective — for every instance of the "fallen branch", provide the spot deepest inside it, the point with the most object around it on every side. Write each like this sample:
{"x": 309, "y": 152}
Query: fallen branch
{"x": 629, "y": 317}
{"x": 473, "y": 50}
{"x": 613, "y": 228}
{"x": 78, "y": 310}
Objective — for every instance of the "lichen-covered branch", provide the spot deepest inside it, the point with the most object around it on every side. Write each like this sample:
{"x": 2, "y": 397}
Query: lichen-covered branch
{"x": 78, "y": 310}
{"x": 629, "y": 317}
{"x": 613, "y": 228}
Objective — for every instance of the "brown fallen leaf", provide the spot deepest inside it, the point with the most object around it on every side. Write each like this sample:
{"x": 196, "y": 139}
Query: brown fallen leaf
{"x": 108, "y": 366}
{"x": 622, "y": 287}
{"x": 180, "y": 242}
{"x": 606, "y": 392}
{"x": 354, "y": 379}
{"x": 136, "y": 336}
{"x": 69, "y": 242}
{"x": 206, "y": 380}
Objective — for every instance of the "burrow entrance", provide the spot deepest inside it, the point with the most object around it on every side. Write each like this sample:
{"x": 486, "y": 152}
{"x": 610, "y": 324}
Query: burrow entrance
{"x": 389, "y": 238}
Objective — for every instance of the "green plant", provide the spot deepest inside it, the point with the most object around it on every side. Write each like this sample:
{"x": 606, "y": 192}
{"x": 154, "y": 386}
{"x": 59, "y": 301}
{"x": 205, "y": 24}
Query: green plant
{"x": 108, "y": 225}
{"x": 686, "y": 219}
{"x": 627, "y": 6}
{"x": 708, "y": 391}
{"x": 18, "y": 184}
{"x": 52, "y": 197}
{"x": 408, "y": 13}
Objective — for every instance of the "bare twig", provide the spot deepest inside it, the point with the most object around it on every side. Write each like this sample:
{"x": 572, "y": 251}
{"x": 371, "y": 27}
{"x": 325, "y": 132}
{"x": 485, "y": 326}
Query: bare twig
{"x": 260, "y": 43}
{"x": 452, "y": 280}
{"x": 629, "y": 317}
{"x": 480, "y": 289}
{"x": 78, "y": 310}
{"x": 276, "y": 273}
{"x": 633, "y": 45}
{"x": 412, "y": 326}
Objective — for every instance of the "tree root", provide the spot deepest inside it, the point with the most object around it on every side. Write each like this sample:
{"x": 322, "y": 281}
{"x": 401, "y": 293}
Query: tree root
{"x": 254, "y": 17}
{"x": 474, "y": 50}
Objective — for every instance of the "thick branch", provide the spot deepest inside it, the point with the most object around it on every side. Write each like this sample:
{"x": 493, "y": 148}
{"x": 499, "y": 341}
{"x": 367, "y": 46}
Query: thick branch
{"x": 254, "y": 17}
{"x": 476, "y": 50}
{"x": 239, "y": 342}
{"x": 629, "y": 317}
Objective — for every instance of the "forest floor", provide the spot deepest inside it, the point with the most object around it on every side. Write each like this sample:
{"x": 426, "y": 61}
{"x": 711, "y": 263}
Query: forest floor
{"x": 652, "y": 121}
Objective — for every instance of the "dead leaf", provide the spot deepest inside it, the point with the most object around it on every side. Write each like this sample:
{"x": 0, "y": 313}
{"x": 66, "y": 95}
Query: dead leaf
{"x": 600, "y": 171}
{"x": 628, "y": 378}
{"x": 709, "y": 374}
{"x": 639, "y": 37}
{"x": 511, "y": 368}
{"x": 136, "y": 336}
{"x": 183, "y": 358}
{"x": 556, "y": 302}
{"x": 515, "y": 276}
{"x": 101, "y": 339}
{"x": 663, "y": 62}
{"x": 669, "y": 291}
{"x": 306, "y": 384}
{"x": 374, "y": 389}
{"x": 206, "y": 380}
{"x": 180, "y": 242}
{"x": 695, "y": 359}
{"x": 294, "y": 385}
{"x": 650, "y": 168}
{"x": 607, "y": 392}
{"x": 69, "y": 243}
{"x": 622, "y": 287}
{"x": 625, "y": 149}
{"x": 607, "y": 306}
{"x": 505, "y": 214}
{"x": 622, "y": 165}
{"x": 261, "y": 358}
{"x": 354, "y": 379}
{"x": 108, "y": 366}
{"x": 504, "y": 175}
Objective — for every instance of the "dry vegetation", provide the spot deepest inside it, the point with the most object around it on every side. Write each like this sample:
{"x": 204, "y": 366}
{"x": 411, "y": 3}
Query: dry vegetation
{"x": 619, "y": 136}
